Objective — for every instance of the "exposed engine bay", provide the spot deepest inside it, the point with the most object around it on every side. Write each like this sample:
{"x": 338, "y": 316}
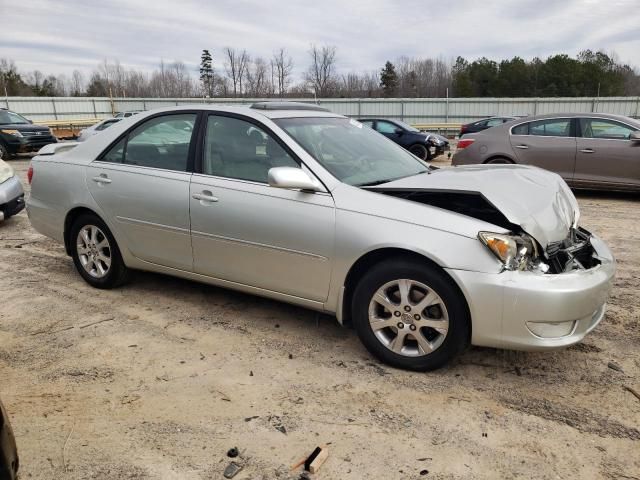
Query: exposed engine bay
{"x": 573, "y": 253}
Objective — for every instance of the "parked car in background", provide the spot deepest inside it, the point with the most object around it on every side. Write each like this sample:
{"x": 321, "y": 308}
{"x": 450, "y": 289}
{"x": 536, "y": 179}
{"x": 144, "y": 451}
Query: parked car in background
{"x": 19, "y": 135}
{"x": 9, "y": 461}
{"x": 11, "y": 193}
{"x": 485, "y": 123}
{"x": 422, "y": 145}
{"x": 88, "y": 132}
{"x": 125, "y": 114}
{"x": 296, "y": 203}
{"x": 588, "y": 150}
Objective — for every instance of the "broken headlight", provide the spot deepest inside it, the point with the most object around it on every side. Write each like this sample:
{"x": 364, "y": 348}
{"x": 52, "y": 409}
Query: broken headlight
{"x": 516, "y": 252}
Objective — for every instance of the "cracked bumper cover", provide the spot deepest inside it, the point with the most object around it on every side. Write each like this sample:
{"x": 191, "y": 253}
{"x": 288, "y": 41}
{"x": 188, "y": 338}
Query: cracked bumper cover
{"x": 506, "y": 307}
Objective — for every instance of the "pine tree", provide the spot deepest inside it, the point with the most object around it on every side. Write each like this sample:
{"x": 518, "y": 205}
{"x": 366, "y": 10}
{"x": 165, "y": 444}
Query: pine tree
{"x": 206, "y": 73}
{"x": 389, "y": 80}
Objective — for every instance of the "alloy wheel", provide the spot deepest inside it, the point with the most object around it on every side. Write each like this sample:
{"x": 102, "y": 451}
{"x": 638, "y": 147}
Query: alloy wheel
{"x": 408, "y": 317}
{"x": 94, "y": 251}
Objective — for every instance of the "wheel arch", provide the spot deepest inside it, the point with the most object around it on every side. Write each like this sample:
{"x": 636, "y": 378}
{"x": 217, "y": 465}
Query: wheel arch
{"x": 361, "y": 266}
{"x": 502, "y": 156}
{"x": 71, "y": 217}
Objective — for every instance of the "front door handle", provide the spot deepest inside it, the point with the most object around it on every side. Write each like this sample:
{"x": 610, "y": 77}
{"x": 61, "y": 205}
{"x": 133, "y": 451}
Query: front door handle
{"x": 204, "y": 197}
{"x": 587, "y": 150}
{"x": 102, "y": 178}
{"x": 522, "y": 147}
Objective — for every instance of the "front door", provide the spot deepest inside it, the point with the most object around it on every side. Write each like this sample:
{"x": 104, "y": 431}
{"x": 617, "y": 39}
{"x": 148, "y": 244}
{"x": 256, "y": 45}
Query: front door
{"x": 548, "y": 144}
{"x": 606, "y": 155}
{"x": 142, "y": 186}
{"x": 247, "y": 232}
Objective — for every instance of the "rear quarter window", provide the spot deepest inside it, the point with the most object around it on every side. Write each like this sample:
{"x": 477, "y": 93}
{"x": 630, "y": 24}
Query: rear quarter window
{"x": 522, "y": 129}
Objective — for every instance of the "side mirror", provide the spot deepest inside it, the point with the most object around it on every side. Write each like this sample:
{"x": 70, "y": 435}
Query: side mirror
{"x": 399, "y": 131}
{"x": 292, "y": 178}
{"x": 635, "y": 136}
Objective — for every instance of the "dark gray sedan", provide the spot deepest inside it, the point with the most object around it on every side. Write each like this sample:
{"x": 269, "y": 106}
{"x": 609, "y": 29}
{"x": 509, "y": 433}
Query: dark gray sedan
{"x": 589, "y": 150}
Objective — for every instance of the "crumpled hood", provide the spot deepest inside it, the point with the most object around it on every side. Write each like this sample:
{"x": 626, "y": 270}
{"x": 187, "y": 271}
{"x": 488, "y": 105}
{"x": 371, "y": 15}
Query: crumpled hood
{"x": 537, "y": 200}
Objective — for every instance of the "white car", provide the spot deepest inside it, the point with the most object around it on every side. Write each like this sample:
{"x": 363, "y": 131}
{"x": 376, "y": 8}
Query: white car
{"x": 11, "y": 193}
{"x": 97, "y": 128}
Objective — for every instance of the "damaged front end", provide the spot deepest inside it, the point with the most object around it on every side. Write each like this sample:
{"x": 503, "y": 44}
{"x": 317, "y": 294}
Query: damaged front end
{"x": 517, "y": 250}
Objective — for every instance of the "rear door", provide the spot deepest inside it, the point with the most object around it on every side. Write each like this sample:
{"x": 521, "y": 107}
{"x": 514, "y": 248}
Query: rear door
{"x": 548, "y": 144}
{"x": 606, "y": 155}
{"x": 142, "y": 185}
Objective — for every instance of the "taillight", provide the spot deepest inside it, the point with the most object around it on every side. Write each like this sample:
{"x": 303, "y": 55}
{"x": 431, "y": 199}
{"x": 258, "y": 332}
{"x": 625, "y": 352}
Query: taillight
{"x": 30, "y": 174}
{"x": 464, "y": 143}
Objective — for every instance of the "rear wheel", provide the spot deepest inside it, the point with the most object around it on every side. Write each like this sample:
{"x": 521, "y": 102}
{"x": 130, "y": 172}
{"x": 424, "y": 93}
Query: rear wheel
{"x": 96, "y": 254}
{"x": 419, "y": 151}
{"x": 410, "y": 316}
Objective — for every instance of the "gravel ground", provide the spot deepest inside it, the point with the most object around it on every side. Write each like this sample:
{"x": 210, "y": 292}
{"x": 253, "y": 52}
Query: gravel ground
{"x": 160, "y": 378}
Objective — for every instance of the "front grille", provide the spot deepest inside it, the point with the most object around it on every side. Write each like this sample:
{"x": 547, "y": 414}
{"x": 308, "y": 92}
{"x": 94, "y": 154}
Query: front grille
{"x": 573, "y": 253}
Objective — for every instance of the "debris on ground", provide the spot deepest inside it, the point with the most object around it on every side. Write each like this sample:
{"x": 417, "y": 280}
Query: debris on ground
{"x": 615, "y": 366}
{"x": 233, "y": 452}
{"x": 232, "y": 470}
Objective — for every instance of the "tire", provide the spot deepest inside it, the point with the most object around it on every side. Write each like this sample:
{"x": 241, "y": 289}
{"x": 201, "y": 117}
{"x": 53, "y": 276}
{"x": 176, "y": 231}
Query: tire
{"x": 4, "y": 152}
{"x": 92, "y": 244}
{"x": 447, "y": 311}
{"x": 499, "y": 161}
{"x": 419, "y": 151}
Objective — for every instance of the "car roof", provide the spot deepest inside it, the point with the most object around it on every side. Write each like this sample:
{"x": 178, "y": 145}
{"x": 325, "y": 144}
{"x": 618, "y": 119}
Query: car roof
{"x": 247, "y": 111}
{"x": 546, "y": 116}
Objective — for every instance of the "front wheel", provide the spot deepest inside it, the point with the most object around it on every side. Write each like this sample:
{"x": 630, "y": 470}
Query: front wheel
{"x": 410, "y": 315}
{"x": 419, "y": 151}
{"x": 4, "y": 152}
{"x": 96, "y": 254}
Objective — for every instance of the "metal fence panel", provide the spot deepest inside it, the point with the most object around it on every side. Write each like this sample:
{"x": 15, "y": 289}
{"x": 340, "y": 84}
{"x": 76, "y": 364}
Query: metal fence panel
{"x": 411, "y": 110}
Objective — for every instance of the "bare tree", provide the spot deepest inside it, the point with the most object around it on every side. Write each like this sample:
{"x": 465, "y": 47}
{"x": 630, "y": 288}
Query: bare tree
{"x": 321, "y": 72}
{"x": 256, "y": 78}
{"x": 283, "y": 64}
{"x": 235, "y": 66}
{"x": 77, "y": 83}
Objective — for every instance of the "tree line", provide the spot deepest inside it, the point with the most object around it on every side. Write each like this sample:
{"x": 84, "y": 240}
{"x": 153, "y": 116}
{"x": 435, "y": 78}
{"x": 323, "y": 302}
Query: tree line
{"x": 243, "y": 75}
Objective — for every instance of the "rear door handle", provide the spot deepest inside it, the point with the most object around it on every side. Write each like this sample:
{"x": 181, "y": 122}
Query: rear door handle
{"x": 204, "y": 197}
{"x": 587, "y": 150}
{"x": 522, "y": 147}
{"x": 102, "y": 178}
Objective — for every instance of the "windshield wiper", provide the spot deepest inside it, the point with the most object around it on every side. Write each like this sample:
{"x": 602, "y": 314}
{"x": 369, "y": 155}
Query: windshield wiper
{"x": 377, "y": 182}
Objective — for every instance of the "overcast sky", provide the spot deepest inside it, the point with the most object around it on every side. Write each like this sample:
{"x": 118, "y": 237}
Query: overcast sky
{"x": 60, "y": 36}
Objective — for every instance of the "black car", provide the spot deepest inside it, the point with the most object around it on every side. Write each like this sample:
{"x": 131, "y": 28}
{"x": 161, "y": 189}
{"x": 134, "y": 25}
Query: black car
{"x": 8, "y": 452}
{"x": 422, "y": 145}
{"x": 19, "y": 135}
{"x": 485, "y": 123}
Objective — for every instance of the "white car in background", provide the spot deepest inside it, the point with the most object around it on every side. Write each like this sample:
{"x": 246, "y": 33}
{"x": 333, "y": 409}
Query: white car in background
{"x": 97, "y": 128}
{"x": 11, "y": 193}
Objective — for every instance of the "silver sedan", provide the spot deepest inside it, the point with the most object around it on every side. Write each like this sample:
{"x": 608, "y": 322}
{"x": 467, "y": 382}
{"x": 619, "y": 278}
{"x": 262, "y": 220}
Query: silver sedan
{"x": 298, "y": 204}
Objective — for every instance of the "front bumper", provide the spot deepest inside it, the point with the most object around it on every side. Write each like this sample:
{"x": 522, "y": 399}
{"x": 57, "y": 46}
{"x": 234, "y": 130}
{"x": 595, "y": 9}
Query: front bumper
{"x": 11, "y": 198}
{"x": 506, "y": 308}
{"x": 28, "y": 144}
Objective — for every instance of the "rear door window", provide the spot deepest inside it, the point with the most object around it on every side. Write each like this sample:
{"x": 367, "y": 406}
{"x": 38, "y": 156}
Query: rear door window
{"x": 386, "y": 127}
{"x": 162, "y": 142}
{"x": 557, "y": 127}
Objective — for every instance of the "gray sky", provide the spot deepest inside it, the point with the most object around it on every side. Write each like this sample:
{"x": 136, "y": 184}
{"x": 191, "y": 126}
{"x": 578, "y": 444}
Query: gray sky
{"x": 60, "y": 36}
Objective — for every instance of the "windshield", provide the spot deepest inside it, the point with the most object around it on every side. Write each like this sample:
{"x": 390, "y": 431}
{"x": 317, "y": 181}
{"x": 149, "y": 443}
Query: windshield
{"x": 353, "y": 154}
{"x": 406, "y": 126}
{"x": 10, "y": 118}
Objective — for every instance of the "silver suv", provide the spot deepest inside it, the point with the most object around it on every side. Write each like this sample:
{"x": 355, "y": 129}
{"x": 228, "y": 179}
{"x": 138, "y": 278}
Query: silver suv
{"x": 293, "y": 202}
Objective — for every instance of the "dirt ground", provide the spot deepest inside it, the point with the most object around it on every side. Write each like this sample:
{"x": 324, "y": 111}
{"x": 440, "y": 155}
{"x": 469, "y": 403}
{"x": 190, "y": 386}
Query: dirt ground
{"x": 160, "y": 378}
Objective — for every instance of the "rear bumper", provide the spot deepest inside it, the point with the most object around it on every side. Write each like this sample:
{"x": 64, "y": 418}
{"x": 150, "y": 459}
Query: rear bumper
{"x": 508, "y": 307}
{"x": 11, "y": 198}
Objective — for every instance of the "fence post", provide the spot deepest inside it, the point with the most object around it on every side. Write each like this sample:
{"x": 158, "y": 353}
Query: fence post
{"x": 95, "y": 112}
{"x": 144, "y": 105}
{"x": 535, "y": 106}
{"x": 55, "y": 113}
{"x": 402, "y": 109}
{"x": 446, "y": 109}
{"x": 359, "y": 107}
{"x": 637, "y": 105}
